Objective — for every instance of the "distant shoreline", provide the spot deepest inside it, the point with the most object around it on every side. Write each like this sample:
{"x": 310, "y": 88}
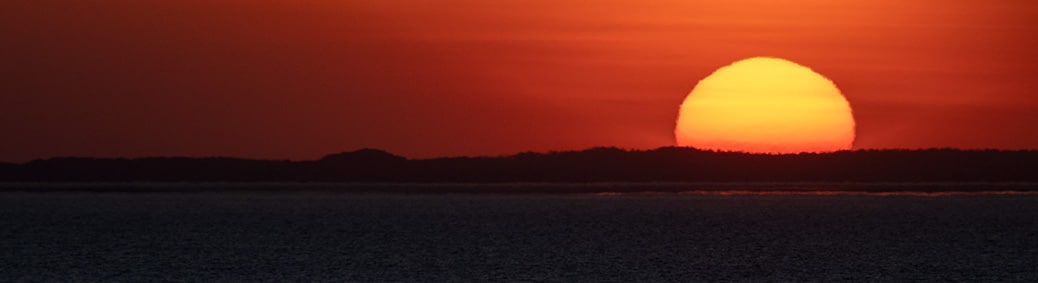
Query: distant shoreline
{"x": 668, "y": 165}
{"x": 605, "y": 188}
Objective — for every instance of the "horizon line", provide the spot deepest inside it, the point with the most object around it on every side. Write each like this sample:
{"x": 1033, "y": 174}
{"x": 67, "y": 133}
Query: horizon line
{"x": 548, "y": 152}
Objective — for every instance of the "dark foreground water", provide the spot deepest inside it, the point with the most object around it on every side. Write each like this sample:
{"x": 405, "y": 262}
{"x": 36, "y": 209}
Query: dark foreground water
{"x": 622, "y": 238}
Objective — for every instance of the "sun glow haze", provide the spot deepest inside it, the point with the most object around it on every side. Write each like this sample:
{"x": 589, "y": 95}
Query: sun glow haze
{"x": 765, "y": 105}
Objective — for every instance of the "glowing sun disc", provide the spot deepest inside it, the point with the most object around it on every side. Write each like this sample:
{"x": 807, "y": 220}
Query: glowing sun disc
{"x": 765, "y": 105}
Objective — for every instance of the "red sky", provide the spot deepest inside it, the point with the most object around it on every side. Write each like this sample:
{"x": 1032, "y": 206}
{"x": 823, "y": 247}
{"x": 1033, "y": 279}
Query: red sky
{"x": 299, "y": 79}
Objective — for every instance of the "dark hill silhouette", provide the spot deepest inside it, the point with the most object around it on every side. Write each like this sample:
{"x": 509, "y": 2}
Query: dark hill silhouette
{"x": 603, "y": 164}
{"x": 365, "y": 165}
{"x": 8, "y": 170}
{"x": 366, "y": 155}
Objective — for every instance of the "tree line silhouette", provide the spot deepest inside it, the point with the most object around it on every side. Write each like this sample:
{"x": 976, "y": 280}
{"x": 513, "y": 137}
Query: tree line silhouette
{"x": 601, "y": 164}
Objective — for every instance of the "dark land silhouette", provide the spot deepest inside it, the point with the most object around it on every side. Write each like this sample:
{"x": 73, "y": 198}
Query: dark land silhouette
{"x": 596, "y": 165}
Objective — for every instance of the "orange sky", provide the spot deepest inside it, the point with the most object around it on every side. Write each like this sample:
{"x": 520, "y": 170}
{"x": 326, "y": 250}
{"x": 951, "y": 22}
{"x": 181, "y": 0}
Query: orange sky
{"x": 298, "y": 79}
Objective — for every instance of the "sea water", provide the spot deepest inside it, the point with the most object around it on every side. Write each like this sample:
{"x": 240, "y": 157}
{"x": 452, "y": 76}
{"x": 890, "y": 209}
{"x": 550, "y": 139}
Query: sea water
{"x": 325, "y": 236}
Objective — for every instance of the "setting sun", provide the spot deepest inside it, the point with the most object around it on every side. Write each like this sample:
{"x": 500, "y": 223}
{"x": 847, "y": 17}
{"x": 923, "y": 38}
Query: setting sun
{"x": 765, "y": 105}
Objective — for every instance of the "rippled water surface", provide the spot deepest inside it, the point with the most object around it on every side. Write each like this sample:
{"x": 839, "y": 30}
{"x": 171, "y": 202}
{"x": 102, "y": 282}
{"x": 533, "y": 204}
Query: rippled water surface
{"x": 458, "y": 237}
